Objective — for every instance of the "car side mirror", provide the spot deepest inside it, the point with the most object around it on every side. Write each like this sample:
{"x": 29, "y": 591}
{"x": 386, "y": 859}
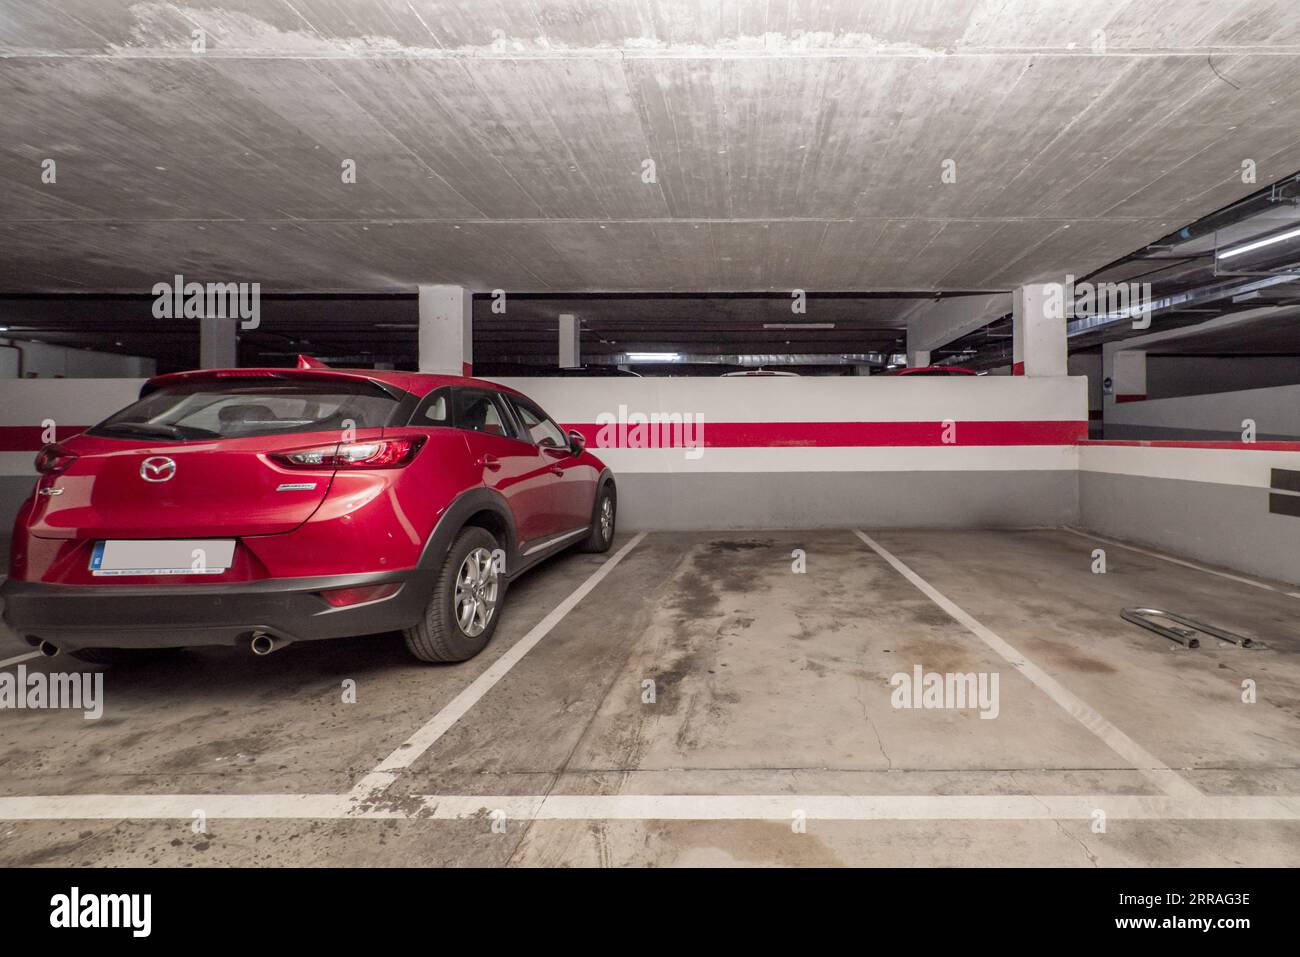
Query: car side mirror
{"x": 577, "y": 442}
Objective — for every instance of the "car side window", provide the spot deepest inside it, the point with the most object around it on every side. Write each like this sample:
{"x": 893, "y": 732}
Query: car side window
{"x": 434, "y": 409}
{"x": 540, "y": 429}
{"x": 482, "y": 411}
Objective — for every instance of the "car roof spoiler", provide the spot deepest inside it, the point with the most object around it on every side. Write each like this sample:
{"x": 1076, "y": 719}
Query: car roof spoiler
{"x": 307, "y": 369}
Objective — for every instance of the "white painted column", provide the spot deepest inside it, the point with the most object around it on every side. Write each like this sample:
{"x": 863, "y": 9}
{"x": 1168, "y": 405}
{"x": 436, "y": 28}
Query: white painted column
{"x": 218, "y": 343}
{"x": 569, "y": 350}
{"x": 1038, "y": 330}
{"x": 916, "y": 358}
{"x": 1124, "y": 374}
{"x": 446, "y": 330}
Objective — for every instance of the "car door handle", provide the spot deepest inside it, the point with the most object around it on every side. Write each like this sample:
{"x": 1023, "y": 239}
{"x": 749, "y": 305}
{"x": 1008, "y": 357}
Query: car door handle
{"x": 490, "y": 462}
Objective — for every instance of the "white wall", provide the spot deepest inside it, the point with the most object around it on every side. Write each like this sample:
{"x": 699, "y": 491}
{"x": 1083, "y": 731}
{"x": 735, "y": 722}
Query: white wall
{"x": 778, "y": 452}
{"x": 767, "y": 403}
{"x": 49, "y": 361}
{"x": 1208, "y": 504}
{"x": 813, "y": 452}
{"x": 1219, "y": 415}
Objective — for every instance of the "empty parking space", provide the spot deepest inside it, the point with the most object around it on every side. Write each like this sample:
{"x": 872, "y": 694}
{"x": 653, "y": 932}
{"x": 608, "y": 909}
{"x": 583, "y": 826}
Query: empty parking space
{"x": 1044, "y": 593}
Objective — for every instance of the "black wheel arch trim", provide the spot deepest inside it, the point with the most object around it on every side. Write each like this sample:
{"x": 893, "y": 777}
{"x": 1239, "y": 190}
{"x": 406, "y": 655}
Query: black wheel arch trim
{"x": 458, "y": 513}
{"x": 606, "y": 478}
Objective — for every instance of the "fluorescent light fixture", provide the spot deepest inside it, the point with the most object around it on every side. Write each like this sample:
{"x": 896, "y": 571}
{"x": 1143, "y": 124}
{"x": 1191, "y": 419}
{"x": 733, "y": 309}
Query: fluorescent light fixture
{"x": 798, "y": 325}
{"x": 1260, "y": 243}
{"x": 652, "y": 356}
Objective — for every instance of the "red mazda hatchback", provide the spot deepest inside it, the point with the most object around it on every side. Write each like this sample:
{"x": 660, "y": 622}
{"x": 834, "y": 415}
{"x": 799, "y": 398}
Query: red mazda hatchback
{"x": 266, "y": 506}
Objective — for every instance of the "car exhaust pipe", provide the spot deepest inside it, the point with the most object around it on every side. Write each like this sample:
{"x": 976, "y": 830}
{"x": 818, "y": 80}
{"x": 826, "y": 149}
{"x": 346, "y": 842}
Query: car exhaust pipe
{"x": 263, "y": 644}
{"x": 48, "y": 649}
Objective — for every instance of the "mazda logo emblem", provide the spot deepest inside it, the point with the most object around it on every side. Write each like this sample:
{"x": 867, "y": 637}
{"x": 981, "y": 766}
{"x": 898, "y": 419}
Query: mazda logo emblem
{"x": 157, "y": 468}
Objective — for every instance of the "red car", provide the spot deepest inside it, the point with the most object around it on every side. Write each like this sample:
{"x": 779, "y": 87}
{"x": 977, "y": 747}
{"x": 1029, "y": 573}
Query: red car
{"x": 267, "y": 506}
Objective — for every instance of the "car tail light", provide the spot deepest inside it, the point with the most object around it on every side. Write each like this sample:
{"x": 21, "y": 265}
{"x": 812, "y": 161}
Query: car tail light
{"x": 340, "y": 597}
{"x": 379, "y": 454}
{"x": 54, "y": 459}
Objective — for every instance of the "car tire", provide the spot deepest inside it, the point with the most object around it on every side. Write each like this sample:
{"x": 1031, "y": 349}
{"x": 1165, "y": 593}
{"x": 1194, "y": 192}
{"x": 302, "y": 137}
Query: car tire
{"x": 602, "y": 531}
{"x": 461, "y": 617}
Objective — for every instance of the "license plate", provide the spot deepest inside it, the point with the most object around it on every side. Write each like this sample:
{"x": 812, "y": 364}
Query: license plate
{"x": 210, "y": 556}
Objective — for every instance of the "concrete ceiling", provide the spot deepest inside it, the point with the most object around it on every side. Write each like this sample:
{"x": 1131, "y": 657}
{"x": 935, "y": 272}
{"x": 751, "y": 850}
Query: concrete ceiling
{"x": 500, "y": 143}
{"x": 1274, "y": 333}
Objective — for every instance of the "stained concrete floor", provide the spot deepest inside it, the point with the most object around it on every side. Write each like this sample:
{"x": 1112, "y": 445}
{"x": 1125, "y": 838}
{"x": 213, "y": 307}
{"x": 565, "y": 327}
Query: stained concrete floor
{"x": 766, "y": 683}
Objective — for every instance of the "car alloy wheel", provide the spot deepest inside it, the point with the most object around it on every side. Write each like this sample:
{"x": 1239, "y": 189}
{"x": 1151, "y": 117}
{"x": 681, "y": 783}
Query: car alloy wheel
{"x": 607, "y": 518}
{"x": 477, "y": 587}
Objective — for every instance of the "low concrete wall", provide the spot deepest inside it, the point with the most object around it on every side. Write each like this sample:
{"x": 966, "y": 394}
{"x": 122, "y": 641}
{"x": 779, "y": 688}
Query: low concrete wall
{"x": 806, "y": 452}
{"x": 1214, "y": 417}
{"x": 1210, "y": 505}
{"x": 832, "y": 452}
{"x": 795, "y": 500}
{"x": 33, "y": 410}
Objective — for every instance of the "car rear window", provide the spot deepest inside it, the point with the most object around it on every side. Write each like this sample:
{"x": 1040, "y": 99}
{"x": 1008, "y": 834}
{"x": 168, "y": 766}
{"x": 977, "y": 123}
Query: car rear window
{"x": 236, "y": 408}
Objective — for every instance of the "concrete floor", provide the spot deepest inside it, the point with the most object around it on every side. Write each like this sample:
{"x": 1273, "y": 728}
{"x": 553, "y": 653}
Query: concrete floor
{"x": 772, "y": 695}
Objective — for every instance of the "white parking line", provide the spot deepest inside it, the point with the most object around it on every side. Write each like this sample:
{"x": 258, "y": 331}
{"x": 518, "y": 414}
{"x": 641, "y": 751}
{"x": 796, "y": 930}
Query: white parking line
{"x": 414, "y": 746}
{"x": 1143, "y": 760}
{"x": 19, "y": 658}
{"x": 656, "y": 807}
{"x": 1179, "y": 561}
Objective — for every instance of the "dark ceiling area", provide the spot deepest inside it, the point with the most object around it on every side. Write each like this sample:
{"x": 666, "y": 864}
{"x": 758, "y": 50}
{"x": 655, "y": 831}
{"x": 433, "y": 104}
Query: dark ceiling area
{"x": 831, "y": 333}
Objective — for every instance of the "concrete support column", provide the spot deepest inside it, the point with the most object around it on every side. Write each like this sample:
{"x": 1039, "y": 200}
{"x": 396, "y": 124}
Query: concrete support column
{"x": 916, "y": 358}
{"x": 569, "y": 351}
{"x": 1124, "y": 374}
{"x": 446, "y": 330}
{"x": 218, "y": 343}
{"x": 1038, "y": 330}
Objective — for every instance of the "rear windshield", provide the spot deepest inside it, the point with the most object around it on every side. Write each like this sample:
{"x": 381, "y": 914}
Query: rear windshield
{"x": 235, "y": 408}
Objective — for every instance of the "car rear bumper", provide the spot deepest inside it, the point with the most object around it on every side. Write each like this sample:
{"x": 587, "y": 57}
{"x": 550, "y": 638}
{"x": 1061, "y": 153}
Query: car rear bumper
{"x": 92, "y": 616}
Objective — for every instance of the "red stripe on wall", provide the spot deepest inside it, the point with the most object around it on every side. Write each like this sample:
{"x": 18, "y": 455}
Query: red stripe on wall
{"x": 23, "y": 438}
{"x": 843, "y": 434}
{"x": 1017, "y": 368}
{"x": 1131, "y": 397}
{"x": 31, "y": 438}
